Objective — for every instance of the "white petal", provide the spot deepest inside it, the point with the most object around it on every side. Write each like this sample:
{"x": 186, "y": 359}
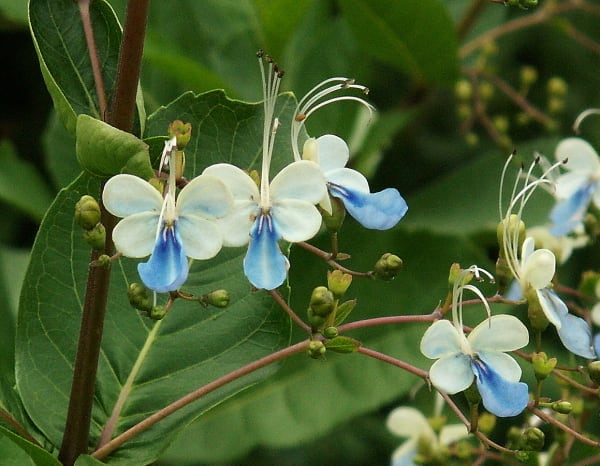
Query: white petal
{"x": 348, "y": 178}
{"x": 452, "y": 373}
{"x": 499, "y": 333}
{"x": 569, "y": 183}
{"x": 440, "y": 338}
{"x": 452, "y": 433}
{"x": 296, "y": 220}
{"x": 205, "y": 195}
{"x": 240, "y": 184}
{"x": 333, "y": 152}
{"x": 201, "y": 238}
{"x": 125, "y": 195}
{"x": 236, "y": 225}
{"x": 503, "y": 364}
{"x": 580, "y": 154}
{"x": 135, "y": 235}
{"x": 407, "y": 422}
{"x": 554, "y": 308}
{"x": 539, "y": 268}
{"x": 299, "y": 180}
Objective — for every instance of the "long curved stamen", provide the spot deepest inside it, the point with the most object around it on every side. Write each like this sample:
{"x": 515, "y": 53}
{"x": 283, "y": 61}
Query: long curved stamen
{"x": 582, "y": 116}
{"x": 311, "y": 102}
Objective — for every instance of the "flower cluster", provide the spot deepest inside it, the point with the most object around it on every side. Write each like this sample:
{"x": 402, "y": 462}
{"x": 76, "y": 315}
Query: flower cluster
{"x": 225, "y": 206}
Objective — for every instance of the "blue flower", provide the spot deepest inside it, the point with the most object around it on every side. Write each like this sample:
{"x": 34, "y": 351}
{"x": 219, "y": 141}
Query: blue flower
{"x": 283, "y": 208}
{"x": 169, "y": 229}
{"x": 478, "y": 357}
{"x": 576, "y": 189}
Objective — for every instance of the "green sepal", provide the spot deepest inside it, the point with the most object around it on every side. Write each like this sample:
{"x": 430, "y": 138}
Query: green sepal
{"x": 343, "y": 311}
{"x": 342, "y": 344}
{"x": 104, "y": 150}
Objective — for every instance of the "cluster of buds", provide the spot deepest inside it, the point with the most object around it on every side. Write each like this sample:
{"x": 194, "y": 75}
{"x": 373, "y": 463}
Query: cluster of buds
{"x": 87, "y": 216}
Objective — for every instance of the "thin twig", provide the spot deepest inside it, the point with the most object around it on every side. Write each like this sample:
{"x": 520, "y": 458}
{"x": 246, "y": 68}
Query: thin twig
{"x": 284, "y": 305}
{"x": 326, "y": 256}
{"x": 545, "y": 417}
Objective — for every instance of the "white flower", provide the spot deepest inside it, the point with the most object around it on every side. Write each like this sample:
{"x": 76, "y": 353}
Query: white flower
{"x": 534, "y": 269}
{"x": 282, "y": 209}
{"x": 168, "y": 229}
{"x": 478, "y": 357}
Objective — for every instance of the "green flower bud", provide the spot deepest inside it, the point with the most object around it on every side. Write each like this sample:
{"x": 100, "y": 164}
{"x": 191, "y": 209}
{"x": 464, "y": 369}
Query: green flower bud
{"x": 535, "y": 313}
{"x": 487, "y": 422}
{"x": 529, "y": 4}
{"x": 486, "y": 91}
{"x": 529, "y": 75}
{"x": 557, "y": 87}
{"x": 158, "y": 312}
{"x": 463, "y": 89}
{"x": 138, "y": 297}
{"x": 542, "y": 366}
{"x": 555, "y": 105}
{"x": 338, "y": 282}
{"x": 322, "y": 301}
{"x": 456, "y": 273}
{"x": 333, "y": 222}
{"x": 532, "y": 439}
{"x": 316, "y": 321}
{"x": 103, "y": 260}
{"x": 330, "y": 332}
{"x": 562, "y": 407}
{"x": 87, "y": 212}
{"x": 182, "y": 131}
{"x": 594, "y": 371}
{"x": 217, "y": 298}
{"x": 316, "y": 349}
{"x": 463, "y": 450}
{"x": 96, "y": 237}
{"x": 471, "y": 139}
{"x": 501, "y": 124}
{"x": 387, "y": 267}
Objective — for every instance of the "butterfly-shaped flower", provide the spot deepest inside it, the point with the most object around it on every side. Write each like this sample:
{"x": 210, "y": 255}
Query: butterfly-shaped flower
{"x": 381, "y": 210}
{"x": 534, "y": 269}
{"x": 169, "y": 228}
{"x": 576, "y": 189}
{"x": 480, "y": 356}
{"x": 281, "y": 209}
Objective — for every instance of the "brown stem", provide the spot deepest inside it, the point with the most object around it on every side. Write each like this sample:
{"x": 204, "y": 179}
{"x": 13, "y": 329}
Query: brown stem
{"x": 394, "y": 362}
{"x": 474, "y": 10}
{"x": 17, "y": 427}
{"x": 404, "y": 319}
{"x": 284, "y": 305}
{"x": 326, "y": 256}
{"x": 545, "y": 417}
{"x": 111, "y": 446}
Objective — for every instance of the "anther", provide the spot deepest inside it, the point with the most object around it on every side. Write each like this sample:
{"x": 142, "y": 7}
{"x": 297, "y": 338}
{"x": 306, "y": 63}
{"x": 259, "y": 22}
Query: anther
{"x": 260, "y": 53}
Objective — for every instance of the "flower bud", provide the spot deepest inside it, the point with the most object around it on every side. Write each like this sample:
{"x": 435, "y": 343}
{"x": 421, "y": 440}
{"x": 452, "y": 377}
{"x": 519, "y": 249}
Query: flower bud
{"x": 182, "y": 131}
{"x": 463, "y": 450}
{"x": 87, "y": 212}
{"x": 562, "y": 407}
{"x": 158, "y": 312}
{"x": 333, "y": 222}
{"x": 463, "y": 90}
{"x": 322, "y": 302}
{"x": 542, "y": 366}
{"x": 138, "y": 297}
{"x": 487, "y": 422}
{"x": 557, "y": 87}
{"x": 217, "y": 298}
{"x": 532, "y": 439}
{"x": 510, "y": 225}
{"x": 529, "y": 75}
{"x": 387, "y": 267}
{"x": 594, "y": 371}
{"x": 338, "y": 282}
{"x": 535, "y": 313}
{"x": 103, "y": 260}
{"x": 501, "y": 124}
{"x": 96, "y": 237}
{"x": 316, "y": 349}
{"x": 330, "y": 332}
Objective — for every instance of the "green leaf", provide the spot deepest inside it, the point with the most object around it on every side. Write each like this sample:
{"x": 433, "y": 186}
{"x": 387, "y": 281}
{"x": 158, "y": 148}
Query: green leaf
{"x": 86, "y": 460}
{"x": 342, "y": 344}
{"x": 60, "y": 157}
{"x": 147, "y": 364}
{"x": 21, "y": 184}
{"x": 64, "y": 59}
{"x": 394, "y": 33}
{"x": 14, "y": 10}
{"x": 16, "y": 451}
{"x": 104, "y": 150}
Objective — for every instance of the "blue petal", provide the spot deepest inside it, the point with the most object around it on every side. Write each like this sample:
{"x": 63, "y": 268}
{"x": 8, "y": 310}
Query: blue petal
{"x": 265, "y": 265}
{"x": 568, "y": 214}
{"x": 500, "y": 397}
{"x": 167, "y": 268}
{"x": 378, "y": 211}
{"x": 596, "y": 342}
{"x": 576, "y": 335}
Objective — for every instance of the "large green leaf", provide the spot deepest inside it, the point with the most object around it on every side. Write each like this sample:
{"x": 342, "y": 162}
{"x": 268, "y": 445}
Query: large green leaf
{"x": 414, "y": 36}
{"x": 191, "y": 346}
{"x": 17, "y": 451}
{"x": 308, "y": 398}
{"x": 64, "y": 59}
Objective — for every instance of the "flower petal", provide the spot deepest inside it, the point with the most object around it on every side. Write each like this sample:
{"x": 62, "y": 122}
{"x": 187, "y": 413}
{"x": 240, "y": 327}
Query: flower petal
{"x": 205, "y": 195}
{"x": 167, "y": 268}
{"x": 554, "y": 308}
{"x": 125, "y": 195}
{"x": 579, "y": 153}
{"x": 236, "y": 225}
{"x": 333, "y": 152}
{"x": 499, "y": 333}
{"x": 452, "y": 373}
{"x": 452, "y": 433}
{"x": 576, "y": 336}
{"x": 408, "y": 422}
{"x": 348, "y": 178}
{"x": 500, "y": 396}
{"x": 299, "y": 180}
{"x": 240, "y": 184}
{"x": 569, "y": 183}
{"x": 378, "y": 211}
{"x": 538, "y": 269}
{"x": 296, "y": 220}
{"x": 265, "y": 265}
{"x": 568, "y": 214}
{"x": 440, "y": 339}
{"x": 135, "y": 235}
{"x": 504, "y": 365}
{"x": 201, "y": 238}
{"x": 405, "y": 454}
